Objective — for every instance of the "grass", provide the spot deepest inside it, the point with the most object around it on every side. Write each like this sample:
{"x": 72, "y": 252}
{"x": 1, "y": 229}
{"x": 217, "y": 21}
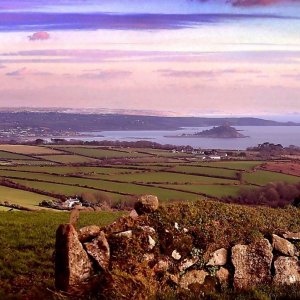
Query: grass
{"x": 27, "y": 243}
{"x": 68, "y": 159}
{"x": 2, "y": 208}
{"x": 101, "y": 153}
{"x": 23, "y": 149}
{"x": 146, "y": 174}
{"x": 10, "y": 156}
{"x": 57, "y": 188}
{"x": 20, "y": 197}
{"x": 113, "y": 169}
{"x": 264, "y": 177}
{"x": 170, "y": 177}
{"x": 218, "y": 191}
{"x": 206, "y": 171}
{"x": 28, "y": 162}
{"x": 237, "y": 165}
{"x": 163, "y": 153}
{"x": 86, "y": 185}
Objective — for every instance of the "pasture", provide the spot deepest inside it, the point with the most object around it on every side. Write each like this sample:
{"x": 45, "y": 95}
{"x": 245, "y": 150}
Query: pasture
{"x": 123, "y": 172}
{"x": 28, "y": 150}
{"x": 27, "y": 241}
{"x": 23, "y": 198}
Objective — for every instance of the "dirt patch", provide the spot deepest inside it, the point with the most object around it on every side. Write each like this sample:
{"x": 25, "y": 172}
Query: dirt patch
{"x": 290, "y": 168}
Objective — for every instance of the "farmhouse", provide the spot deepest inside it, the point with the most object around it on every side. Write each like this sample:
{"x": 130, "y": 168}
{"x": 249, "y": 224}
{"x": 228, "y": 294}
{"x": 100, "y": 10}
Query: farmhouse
{"x": 70, "y": 203}
{"x": 214, "y": 157}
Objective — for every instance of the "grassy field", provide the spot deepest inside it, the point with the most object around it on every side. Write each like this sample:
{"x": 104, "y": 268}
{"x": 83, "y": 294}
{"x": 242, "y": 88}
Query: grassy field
{"x": 101, "y": 153}
{"x": 237, "y": 165}
{"x": 217, "y": 191}
{"x": 68, "y": 159}
{"x": 206, "y": 171}
{"x": 20, "y": 197}
{"x": 27, "y": 242}
{"x": 31, "y": 150}
{"x": 83, "y": 169}
{"x": 60, "y": 189}
{"x": 264, "y": 177}
{"x": 31, "y": 162}
{"x": 169, "y": 177}
{"x": 75, "y": 170}
{"x": 13, "y": 156}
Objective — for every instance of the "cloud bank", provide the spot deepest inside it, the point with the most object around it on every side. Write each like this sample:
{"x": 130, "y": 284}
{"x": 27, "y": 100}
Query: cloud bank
{"x": 93, "y": 21}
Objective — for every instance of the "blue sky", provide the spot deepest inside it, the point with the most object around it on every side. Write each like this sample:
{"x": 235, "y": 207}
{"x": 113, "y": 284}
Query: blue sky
{"x": 154, "y": 6}
{"x": 238, "y": 57}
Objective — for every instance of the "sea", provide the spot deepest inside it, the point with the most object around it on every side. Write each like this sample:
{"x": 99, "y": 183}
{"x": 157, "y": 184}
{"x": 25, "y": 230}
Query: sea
{"x": 284, "y": 135}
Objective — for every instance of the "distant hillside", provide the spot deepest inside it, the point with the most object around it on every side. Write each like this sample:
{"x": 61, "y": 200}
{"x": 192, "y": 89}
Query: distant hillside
{"x": 98, "y": 122}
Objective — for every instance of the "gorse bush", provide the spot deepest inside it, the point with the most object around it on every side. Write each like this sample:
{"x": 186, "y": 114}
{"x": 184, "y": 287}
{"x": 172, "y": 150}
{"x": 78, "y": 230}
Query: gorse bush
{"x": 278, "y": 194}
{"x": 106, "y": 202}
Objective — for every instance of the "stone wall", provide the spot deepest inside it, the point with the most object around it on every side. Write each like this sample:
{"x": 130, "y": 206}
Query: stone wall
{"x": 152, "y": 257}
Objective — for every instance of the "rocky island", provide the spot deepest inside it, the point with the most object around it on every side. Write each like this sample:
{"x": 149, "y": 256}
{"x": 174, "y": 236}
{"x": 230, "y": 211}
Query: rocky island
{"x": 224, "y": 131}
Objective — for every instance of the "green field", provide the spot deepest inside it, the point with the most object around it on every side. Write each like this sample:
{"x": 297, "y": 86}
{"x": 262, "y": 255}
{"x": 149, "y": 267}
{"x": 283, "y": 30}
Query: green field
{"x": 13, "y": 156}
{"x": 206, "y": 171}
{"x": 218, "y": 191}
{"x": 36, "y": 162}
{"x": 264, "y": 177}
{"x": 27, "y": 242}
{"x": 20, "y": 197}
{"x": 101, "y": 153}
{"x": 236, "y": 165}
{"x": 28, "y": 150}
{"x": 76, "y": 170}
{"x": 169, "y": 177}
{"x": 68, "y": 159}
{"x": 131, "y": 172}
{"x": 60, "y": 189}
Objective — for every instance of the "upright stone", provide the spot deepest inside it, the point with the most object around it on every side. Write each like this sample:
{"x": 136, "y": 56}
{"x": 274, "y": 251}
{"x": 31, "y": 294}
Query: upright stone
{"x": 252, "y": 264}
{"x": 72, "y": 264}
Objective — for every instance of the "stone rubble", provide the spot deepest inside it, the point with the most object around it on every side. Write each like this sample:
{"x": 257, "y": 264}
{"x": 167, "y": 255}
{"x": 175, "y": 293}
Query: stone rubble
{"x": 79, "y": 256}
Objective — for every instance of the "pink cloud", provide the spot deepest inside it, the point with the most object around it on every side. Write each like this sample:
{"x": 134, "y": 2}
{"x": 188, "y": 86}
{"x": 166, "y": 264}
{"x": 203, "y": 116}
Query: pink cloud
{"x": 106, "y": 75}
{"x": 24, "y": 71}
{"x": 18, "y": 73}
{"x": 39, "y": 36}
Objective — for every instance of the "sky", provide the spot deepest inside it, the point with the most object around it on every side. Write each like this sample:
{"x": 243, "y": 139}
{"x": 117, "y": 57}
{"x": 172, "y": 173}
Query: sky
{"x": 170, "y": 57}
